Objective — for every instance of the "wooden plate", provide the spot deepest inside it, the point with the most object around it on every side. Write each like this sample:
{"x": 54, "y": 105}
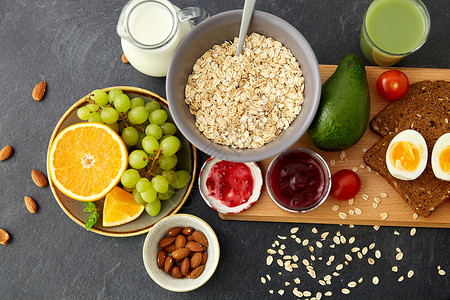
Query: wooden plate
{"x": 74, "y": 209}
{"x": 373, "y": 185}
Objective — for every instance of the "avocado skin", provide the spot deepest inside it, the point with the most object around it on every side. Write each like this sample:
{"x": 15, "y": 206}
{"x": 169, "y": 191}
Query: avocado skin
{"x": 344, "y": 109}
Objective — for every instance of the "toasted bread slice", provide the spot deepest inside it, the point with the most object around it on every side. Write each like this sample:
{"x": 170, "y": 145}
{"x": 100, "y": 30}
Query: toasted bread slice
{"x": 426, "y": 192}
{"x": 422, "y": 95}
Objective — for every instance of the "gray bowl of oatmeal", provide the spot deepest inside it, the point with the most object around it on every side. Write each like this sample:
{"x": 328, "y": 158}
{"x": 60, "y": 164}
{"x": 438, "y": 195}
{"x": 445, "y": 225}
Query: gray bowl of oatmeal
{"x": 246, "y": 108}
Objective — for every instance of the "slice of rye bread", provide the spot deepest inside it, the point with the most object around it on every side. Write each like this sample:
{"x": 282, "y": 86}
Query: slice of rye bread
{"x": 422, "y": 95}
{"x": 426, "y": 192}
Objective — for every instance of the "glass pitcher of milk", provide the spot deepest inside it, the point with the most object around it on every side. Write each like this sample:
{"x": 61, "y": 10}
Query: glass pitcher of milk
{"x": 150, "y": 31}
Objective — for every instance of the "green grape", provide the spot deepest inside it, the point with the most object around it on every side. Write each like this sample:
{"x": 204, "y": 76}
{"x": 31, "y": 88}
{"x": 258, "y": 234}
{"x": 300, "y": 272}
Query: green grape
{"x": 157, "y": 117}
{"x": 100, "y": 97}
{"x": 141, "y": 137}
{"x": 168, "y": 128}
{"x": 84, "y": 113}
{"x": 183, "y": 178}
{"x": 137, "y": 197}
{"x": 138, "y": 159}
{"x": 95, "y": 117}
{"x": 167, "y": 195}
{"x": 138, "y": 115}
{"x": 135, "y": 102}
{"x": 122, "y": 103}
{"x": 130, "y": 136}
{"x": 122, "y": 126}
{"x": 92, "y": 107}
{"x": 150, "y": 144}
{"x": 153, "y": 130}
{"x": 149, "y": 195}
{"x": 109, "y": 115}
{"x": 143, "y": 184}
{"x": 152, "y": 105}
{"x": 160, "y": 184}
{"x": 113, "y": 94}
{"x": 167, "y": 162}
{"x": 170, "y": 175}
{"x": 128, "y": 189}
{"x": 153, "y": 208}
{"x": 114, "y": 126}
{"x": 129, "y": 178}
{"x": 170, "y": 145}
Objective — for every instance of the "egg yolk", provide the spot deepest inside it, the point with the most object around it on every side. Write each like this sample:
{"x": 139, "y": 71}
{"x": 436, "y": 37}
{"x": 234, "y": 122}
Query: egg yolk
{"x": 444, "y": 160}
{"x": 405, "y": 156}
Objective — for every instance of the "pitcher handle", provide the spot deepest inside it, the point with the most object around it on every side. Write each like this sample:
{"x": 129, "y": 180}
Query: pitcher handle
{"x": 194, "y": 14}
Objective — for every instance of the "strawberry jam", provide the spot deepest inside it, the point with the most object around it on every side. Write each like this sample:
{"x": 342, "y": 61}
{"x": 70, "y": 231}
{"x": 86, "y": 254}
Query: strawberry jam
{"x": 298, "y": 180}
{"x": 230, "y": 182}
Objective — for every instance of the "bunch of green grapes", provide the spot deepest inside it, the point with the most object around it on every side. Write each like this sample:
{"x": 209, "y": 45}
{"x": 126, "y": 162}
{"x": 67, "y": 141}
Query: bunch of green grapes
{"x": 152, "y": 175}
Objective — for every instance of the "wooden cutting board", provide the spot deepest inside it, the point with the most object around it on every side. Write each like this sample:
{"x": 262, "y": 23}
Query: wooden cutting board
{"x": 373, "y": 185}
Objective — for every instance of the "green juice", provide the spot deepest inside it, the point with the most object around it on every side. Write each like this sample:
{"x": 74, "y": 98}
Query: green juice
{"x": 393, "y": 29}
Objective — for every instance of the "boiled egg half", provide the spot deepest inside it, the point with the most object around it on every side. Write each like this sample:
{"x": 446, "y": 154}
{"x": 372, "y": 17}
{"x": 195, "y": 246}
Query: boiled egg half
{"x": 407, "y": 155}
{"x": 440, "y": 158}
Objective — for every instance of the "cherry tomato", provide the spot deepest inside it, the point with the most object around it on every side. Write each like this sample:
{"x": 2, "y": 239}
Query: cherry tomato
{"x": 345, "y": 184}
{"x": 392, "y": 85}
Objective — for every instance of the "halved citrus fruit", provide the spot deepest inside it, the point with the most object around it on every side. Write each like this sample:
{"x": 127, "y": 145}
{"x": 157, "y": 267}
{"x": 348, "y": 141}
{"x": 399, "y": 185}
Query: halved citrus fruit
{"x": 120, "y": 208}
{"x": 86, "y": 161}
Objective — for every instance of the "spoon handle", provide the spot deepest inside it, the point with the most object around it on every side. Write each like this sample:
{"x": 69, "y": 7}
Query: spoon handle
{"x": 249, "y": 5}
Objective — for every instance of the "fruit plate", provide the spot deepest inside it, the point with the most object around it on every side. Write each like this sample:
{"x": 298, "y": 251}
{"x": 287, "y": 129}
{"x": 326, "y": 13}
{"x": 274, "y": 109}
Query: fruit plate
{"x": 74, "y": 209}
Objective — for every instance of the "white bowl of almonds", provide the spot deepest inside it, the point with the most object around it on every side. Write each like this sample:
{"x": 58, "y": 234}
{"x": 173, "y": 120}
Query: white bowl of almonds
{"x": 181, "y": 252}
{"x": 248, "y": 107}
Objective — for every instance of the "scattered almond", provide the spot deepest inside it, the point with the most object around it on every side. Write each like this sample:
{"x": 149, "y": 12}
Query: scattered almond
{"x": 39, "y": 91}
{"x": 125, "y": 59}
{"x": 31, "y": 205}
{"x": 6, "y": 152}
{"x": 39, "y": 179}
{"x": 4, "y": 237}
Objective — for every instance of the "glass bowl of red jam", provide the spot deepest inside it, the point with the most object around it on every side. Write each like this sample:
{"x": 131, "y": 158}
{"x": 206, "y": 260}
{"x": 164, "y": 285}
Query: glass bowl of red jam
{"x": 230, "y": 187}
{"x": 298, "y": 180}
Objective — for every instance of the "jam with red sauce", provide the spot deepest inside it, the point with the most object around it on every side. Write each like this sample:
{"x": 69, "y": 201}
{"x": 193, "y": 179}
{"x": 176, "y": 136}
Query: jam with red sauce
{"x": 230, "y": 182}
{"x": 298, "y": 180}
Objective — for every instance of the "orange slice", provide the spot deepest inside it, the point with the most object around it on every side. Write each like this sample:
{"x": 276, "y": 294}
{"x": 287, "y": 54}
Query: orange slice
{"x": 86, "y": 161}
{"x": 120, "y": 208}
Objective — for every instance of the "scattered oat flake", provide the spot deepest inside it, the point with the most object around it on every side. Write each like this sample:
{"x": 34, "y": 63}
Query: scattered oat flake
{"x": 358, "y": 211}
{"x": 313, "y": 258}
{"x": 362, "y": 166}
{"x": 399, "y": 256}
{"x": 410, "y": 273}
{"x": 364, "y": 150}
{"x": 287, "y": 283}
{"x": 384, "y": 216}
{"x": 360, "y": 256}
{"x": 294, "y": 230}
{"x": 271, "y": 251}
{"x": 375, "y": 205}
{"x": 371, "y": 246}
{"x": 335, "y": 207}
{"x": 377, "y": 200}
{"x": 351, "y": 226}
{"x": 293, "y": 236}
{"x": 314, "y": 230}
{"x": 305, "y": 262}
{"x": 376, "y": 227}
{"x": 324, "y": 235}
{"x": 280, "y": 251}
{"x": 311, "y": 248}
{"x": 339, "y": 267}
{"x": 336, "y": 274}
{"x": 297, "y": 293}
{"x": 298, "y": 240}
{"x": 364, "y": 250}
{"x": 343, "y": 239}
{"x": 355, "y": 249}
{"x": 394, "y": 269}
{"x": 400, "y": 279}
{"x": 351, "y": 240}
{"x": 441, "y": 272}
{"x": 305, "y": 242}
{"x": 283, "y": 246}
{"x": 378, "y": 254}
{"x": 271, "y": 291}
{"x": 415, "y": 216}
{"x": 328, "y": 293}
{"x": 281, "y": 292}
{"x": 280, "y": 262}
{"x": 365, "y": 196}
{"x": 297, "y": 280}
{"x": 396, "y": 232}
{"x": 342, "y": 215}
{"x": 345, "y": 291}
{"x": 354, "y": 169}
{"x": 412, "y": 232}
{"x": 371, "y": 261}
{"x": 327, "y": 277}
{"x": 294, "y": 257}
{"x": 268, "y": 277}
{"x": 322, "y": 282}
{"x": 277, "y": 243}
{"x": 360, "y": 280}
{"x": 281, "y": 237}
{"x": 352, "y": 284}
{"x": 348, "y": 257}
{"x": 263, "y": 280}
{"x": 287, "y": 257}
{"x": 307, "y": 293}
{"x": 398, "y": 249}
{"x": 269, "y": 260}
{"x": 319, "y": 244}
{"x": 332, "y": 162}
{"x": 351, "y": 212}
{"x": 383, "y": 195}
{"x": 375, "y": 280}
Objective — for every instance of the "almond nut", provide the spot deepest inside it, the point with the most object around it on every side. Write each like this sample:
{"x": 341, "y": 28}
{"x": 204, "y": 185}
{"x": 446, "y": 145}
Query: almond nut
{"x": 31, "y": 205}
{"x": 4, "y": 237}
{"x": 176, "y": 272}
{"x": 180, "y": 253}
{"x": 170, "y": 248}
{"x": 166, "y": 242}
{"x": 200, "y": 238}
{"x": 187, "y": 231}
{"x": 39, "y": 179}
{"x": 124, "y": 59}
{"x": 39, "y": 90}
{"x": 168, "y": 264}
{"x": 196, "y": 260}
{"x": 199, "y": 270}
{"x": 180, "y": 241}
{"x": 204, "y": 258}
{"x": 6, "y": 152}
{"x": 162, "y": 255}
{"x": 189, "y": 238}
{"x": 185, "y": 266}
{"x": 194, "y": 246}
{"x": 174, "y": 231}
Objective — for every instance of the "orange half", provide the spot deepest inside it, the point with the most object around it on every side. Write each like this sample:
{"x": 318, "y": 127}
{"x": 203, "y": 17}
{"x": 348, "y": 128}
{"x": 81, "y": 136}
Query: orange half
{"x": 86, "y": 161}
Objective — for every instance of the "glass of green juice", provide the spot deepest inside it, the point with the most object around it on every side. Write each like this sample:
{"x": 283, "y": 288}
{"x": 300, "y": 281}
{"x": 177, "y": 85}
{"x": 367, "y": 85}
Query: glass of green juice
{"x": 393, "y": 29}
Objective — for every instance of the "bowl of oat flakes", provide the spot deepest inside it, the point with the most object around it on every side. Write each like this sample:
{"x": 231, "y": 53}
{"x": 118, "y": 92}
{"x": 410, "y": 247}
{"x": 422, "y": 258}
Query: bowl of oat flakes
{"x": 248, "y": 107}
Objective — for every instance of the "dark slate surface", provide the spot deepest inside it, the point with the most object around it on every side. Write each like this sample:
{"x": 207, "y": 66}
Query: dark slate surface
{"x": 74, "y": 47}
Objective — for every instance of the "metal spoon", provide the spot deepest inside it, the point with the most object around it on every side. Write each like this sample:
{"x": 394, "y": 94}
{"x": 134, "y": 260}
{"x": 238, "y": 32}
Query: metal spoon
{"x": 249, "y": 5}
